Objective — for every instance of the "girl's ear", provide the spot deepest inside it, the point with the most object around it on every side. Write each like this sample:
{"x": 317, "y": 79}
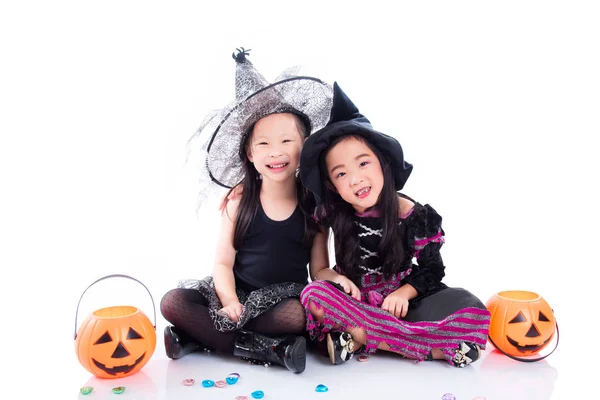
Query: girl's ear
{"x": 249, "y": 154}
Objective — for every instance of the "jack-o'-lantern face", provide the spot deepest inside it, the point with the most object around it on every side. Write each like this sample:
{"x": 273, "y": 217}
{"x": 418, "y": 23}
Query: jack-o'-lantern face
{"x": 122, "y": 353}
{"x": 115, "y": 345}
{"x": 521, "y": 323}
{"x": 534, "y": 327}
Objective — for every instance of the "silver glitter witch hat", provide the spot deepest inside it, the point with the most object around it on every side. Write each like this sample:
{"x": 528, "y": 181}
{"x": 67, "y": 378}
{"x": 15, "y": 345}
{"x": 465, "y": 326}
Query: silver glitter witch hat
{"x": 224, "y": 131}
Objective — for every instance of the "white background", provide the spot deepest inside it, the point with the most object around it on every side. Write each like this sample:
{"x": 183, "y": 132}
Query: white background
{"x": 495, "y": 103}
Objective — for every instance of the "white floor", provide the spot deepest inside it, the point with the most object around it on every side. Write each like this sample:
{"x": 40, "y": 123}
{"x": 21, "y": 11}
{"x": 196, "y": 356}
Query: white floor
{"x": 495, "y": 377}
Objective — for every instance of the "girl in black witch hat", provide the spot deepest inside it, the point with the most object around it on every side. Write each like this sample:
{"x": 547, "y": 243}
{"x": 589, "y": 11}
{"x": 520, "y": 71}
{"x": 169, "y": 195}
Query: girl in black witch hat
{"x": 355, "y": 174}
{"x": 250, "y": 305}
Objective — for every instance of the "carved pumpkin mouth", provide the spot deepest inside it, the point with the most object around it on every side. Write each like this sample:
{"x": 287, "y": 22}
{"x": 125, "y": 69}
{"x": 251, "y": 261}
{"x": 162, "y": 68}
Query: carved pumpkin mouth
{"x": 530, "y": 347}
{"x": 120, "y": 368}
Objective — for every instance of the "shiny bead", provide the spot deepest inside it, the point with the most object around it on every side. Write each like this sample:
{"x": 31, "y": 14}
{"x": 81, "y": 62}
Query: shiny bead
{"x": 86, "y": 390}
{"x": 241, "y": 397}
{"x": 208, "y": 383}
{"x": 234, "y": 374}
{"x": 232, "y": 378}
{"x": 220, "y": 384}
{"x": 188, "y": 382}
{"x": 321, "y": 388}
{"x": 363, "y": 358}
{"x": 448, "y": 396}
{"x": 118, "y": 389}
{"x": 259, "y": 394}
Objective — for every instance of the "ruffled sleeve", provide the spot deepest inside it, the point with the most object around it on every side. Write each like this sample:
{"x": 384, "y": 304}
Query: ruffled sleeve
{"x": 425, "y": 237}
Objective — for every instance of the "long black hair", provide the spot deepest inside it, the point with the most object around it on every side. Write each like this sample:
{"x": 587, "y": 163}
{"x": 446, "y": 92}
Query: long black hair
{"x": 251, "y": 184}
{"x": 340, "y": 217}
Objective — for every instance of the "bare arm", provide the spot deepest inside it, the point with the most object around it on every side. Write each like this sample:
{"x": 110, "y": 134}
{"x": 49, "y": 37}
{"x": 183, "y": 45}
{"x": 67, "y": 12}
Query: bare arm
{"x": 224, "y": 260}
{"x": 319, "y": 266}
{"x": 319, "y": 256}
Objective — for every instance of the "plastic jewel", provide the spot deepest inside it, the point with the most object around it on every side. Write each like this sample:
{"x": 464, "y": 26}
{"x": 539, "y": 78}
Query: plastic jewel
{"x": 363, "y": 358}
{"x": 321, "y": 388}
{"x": 448, "y": 396}
{"x": 188, "y": 382}
{"x": 232, "y": 378}
{"x": 118, "y": 389}
{"x": 220, "y": 384}
{"x": 259, "y": 394}
{"x": 86, "y": 390}
{"x": 208, "y": 383}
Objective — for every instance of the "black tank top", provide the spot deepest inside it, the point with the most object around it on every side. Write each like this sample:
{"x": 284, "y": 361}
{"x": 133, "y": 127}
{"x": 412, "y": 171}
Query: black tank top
{"x": 272, "y": 252}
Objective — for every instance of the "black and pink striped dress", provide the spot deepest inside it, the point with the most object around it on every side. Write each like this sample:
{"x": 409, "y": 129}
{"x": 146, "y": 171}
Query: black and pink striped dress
{"x": 440, "y": 317}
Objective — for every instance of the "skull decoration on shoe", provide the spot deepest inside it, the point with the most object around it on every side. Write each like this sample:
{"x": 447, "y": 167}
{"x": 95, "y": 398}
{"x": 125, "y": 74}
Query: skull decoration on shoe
{"x": 466, "y": 354}
{"x": 340, "y": 347}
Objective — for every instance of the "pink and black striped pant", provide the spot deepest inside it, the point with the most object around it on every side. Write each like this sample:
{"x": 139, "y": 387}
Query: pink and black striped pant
{"x": 442, "y": 320}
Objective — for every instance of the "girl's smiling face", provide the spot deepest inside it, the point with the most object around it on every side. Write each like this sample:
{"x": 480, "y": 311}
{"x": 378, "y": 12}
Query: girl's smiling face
{"x": 275, "y": 145}
{"x": 355, "y": 172}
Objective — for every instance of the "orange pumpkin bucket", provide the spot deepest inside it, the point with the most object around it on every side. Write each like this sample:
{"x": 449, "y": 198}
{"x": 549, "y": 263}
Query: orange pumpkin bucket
{"x": 521, "y": 324}
{"x": 115, "y": 342}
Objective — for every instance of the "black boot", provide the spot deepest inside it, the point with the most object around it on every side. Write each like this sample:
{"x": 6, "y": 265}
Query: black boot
{"x": 287, "y": 351}
{"x": 178, "y": 343}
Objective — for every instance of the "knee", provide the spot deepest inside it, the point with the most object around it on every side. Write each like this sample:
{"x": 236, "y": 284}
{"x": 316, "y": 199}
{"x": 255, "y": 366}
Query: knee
{"x": 307, "y": 294}
{"x": 169, "y": 302}
{"x": 310, "y": 292}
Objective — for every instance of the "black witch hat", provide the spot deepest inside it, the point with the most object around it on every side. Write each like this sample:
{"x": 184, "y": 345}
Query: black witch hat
{"x": 347, "y": 120}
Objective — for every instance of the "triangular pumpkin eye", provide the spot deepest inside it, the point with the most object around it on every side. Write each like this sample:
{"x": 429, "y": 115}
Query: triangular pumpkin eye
{"x": 132, "y": 334}
{"x": 104, "y": 338}
{"x": 519, "y": 318}
{"x": 543, "y": 317}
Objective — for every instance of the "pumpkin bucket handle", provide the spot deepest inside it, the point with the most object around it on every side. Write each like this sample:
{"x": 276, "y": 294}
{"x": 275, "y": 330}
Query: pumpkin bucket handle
{"x": 113, "y": 276}
{"x": 529, "y": 359}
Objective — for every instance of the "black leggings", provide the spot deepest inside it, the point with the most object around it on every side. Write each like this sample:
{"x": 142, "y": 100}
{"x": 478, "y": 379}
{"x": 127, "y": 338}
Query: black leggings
{"x": 187, "y": 309}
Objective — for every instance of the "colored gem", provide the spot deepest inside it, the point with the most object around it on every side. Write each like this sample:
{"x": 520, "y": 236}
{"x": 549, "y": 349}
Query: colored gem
{"x": 188, "y": 382}
{"x": 208, "y": 383}
{"x": 363, "y": 358}
{"x": 448, "y": 396}
{"x": 86, "y": 390}
{"x": 220, "y": 384}
{"x": 259, "y": 394}
{"x": 118, "y": 389}
{"x": 321, "y": 388}
{"x": 232, "y": 378}
{"x": 241, "y": 397}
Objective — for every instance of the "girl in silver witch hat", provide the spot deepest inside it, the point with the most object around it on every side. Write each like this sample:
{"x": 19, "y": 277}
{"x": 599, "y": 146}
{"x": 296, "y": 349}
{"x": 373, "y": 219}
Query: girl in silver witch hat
{"x": 250, "y": 305}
